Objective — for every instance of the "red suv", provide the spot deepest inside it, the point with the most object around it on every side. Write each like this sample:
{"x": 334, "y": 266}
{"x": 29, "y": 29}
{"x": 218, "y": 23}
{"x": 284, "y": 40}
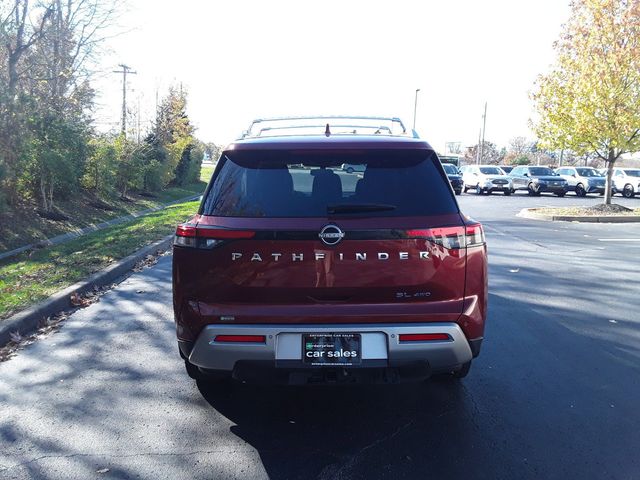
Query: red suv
{"x": 298, "y": 271}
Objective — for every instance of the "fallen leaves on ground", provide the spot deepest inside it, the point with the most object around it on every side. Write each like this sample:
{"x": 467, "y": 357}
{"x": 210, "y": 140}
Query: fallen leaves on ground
{"x": 148, "y": 261}
{"x": 51, "y": 323}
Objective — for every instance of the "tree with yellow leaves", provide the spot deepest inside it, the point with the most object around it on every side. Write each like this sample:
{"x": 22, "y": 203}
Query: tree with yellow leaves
{"x": 590, "y": 100}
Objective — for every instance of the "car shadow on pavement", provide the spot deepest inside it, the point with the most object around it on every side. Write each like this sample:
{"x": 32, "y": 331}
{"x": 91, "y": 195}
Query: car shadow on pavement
{"x": 351, "y": 431}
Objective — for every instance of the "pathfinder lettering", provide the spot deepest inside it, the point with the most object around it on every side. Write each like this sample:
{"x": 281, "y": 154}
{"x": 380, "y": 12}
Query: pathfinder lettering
{"x": 359, "y": 256}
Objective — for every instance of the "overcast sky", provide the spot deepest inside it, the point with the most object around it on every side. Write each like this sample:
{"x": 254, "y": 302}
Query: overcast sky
{"x": 245, "y": 59}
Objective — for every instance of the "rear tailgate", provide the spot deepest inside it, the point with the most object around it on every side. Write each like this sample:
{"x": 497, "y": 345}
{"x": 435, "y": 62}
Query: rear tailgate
{"x": 284, "y": 274}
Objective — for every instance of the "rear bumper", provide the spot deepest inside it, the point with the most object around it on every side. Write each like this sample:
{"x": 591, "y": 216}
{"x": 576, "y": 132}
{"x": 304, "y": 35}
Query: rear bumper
{"x": 380, "y": 346}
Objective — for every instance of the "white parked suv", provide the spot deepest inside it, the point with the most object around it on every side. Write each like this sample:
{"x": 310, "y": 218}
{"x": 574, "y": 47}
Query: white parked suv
{"x": 583, "y": 180}
{"x": 627, "y": 181}
{"x": 486, "y": 179}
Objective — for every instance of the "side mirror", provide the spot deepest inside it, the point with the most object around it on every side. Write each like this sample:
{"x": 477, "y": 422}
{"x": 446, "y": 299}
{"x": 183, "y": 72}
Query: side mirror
{"x": 525, "y": 174}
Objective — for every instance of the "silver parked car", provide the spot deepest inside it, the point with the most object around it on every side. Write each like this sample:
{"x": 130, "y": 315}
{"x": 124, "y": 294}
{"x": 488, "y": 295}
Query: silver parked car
{"x": 627, "y": 181}
{"x": 486, "y": 179}
{"x": 583, "y": 180}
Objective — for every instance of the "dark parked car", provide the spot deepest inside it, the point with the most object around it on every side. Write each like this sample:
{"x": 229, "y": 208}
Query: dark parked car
{"x": 302, "y": 275}
{"x": 454, "y": 176}
{"x": 536, "y": 180}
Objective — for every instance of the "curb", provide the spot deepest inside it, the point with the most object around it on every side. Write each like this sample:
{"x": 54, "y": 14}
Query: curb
{"x": 28, "y": 320}
{"x": 531, "y": 213}
{"x": 65, "y": 237}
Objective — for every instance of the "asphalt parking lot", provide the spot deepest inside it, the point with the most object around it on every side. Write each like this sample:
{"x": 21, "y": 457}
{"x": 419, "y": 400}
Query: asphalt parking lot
{"x": 554, "y": 393}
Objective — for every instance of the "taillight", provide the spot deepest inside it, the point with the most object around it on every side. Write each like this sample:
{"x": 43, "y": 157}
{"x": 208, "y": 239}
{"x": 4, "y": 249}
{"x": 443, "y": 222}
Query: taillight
{"x": 423, "y": 337}
{"x": 207, "y": 237}
{"x": 452, "y": 238}
{"x": 475, "y": 235}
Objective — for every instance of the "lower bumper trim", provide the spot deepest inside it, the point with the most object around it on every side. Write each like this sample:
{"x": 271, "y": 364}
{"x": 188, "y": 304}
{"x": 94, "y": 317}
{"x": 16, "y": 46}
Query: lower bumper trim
{"x": 380, "y": 345}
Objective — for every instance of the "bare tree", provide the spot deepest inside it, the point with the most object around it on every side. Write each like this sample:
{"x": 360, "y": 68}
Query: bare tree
{"x": 520, "y": 146}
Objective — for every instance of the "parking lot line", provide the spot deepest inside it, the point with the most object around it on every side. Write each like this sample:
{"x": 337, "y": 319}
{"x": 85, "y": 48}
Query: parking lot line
{"x": 619, "y": 239}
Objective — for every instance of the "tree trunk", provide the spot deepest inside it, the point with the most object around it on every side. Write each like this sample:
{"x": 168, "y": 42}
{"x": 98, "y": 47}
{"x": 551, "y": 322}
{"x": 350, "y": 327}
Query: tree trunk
{"x": 43, "y": 193}
{"x": 609, "y": 183}
{"x": 51, "y": 186}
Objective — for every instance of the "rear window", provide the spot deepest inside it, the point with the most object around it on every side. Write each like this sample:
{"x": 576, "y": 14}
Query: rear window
{"x": 318, "y": 183}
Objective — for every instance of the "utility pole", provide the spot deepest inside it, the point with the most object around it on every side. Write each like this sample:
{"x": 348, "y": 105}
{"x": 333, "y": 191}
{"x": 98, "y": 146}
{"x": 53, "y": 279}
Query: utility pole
{"x": 125, "y": 70}
{"x": 484, "y": 124}
{"x": 478, "y": 149}
{"x": 138, "y": 119}
{"x": 415, "y": 108}
{"x": 156, "y": 121}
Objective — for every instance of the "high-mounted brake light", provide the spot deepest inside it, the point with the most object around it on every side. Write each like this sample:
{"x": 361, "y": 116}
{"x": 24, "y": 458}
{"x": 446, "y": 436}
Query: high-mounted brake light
{"x": 206, "y": 237}
{"x": 451, "y": 237}
{"x": 423, "y": 337}
{"x": 240, "y": 338}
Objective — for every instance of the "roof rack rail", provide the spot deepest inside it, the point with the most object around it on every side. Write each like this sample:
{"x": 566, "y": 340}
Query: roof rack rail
{"x": 325, "y": 118}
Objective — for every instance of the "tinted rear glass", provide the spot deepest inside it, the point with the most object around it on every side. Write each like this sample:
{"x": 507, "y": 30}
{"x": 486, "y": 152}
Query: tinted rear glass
{"x": 307, "y": 184}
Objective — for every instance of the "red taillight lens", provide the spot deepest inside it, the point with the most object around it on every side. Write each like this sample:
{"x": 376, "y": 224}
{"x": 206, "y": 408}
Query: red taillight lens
{"x": 451, "y": 237}
{"x": 475, "y": 235}
{"x": 186, "y": 231}
{"x": 240, "y": 338}
{"x": 206, "y": 237}
{"x": 423, "y": 337}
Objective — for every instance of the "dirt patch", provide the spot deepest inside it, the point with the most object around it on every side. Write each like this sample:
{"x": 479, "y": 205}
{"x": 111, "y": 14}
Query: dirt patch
{"x": 613, "y": 209}
{"x": 54, "y": 215}
{"x": 599, "y": 210}
{"x": 102, "y": 205}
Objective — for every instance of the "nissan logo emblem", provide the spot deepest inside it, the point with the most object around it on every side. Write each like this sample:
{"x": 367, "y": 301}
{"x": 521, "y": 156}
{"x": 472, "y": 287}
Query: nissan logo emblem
{"x": 331, "y": 235}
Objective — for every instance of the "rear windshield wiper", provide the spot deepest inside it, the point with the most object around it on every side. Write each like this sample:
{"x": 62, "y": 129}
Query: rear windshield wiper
{"x": 359, "y": 207}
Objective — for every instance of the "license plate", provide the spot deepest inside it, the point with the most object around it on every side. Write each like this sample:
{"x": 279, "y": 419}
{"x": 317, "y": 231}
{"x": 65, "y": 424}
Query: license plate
{"x": 339, "y": 349}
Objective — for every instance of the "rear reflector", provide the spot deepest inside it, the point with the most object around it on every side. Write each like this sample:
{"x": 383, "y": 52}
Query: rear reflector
{"x": 423, "y": 337}
{"x": 240, "y": 338}
{"x": 451, "y": 237}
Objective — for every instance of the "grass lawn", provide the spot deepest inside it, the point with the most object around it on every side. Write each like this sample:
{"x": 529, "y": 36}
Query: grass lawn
{"x": 22, "y": 225}
{"x": 206, "y": 172}
{"x": 27, "y": 279}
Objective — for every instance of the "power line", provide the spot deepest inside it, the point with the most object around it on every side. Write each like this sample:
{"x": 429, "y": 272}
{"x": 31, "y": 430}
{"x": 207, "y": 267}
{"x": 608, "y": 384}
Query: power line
{"x": 125, "y": 70}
